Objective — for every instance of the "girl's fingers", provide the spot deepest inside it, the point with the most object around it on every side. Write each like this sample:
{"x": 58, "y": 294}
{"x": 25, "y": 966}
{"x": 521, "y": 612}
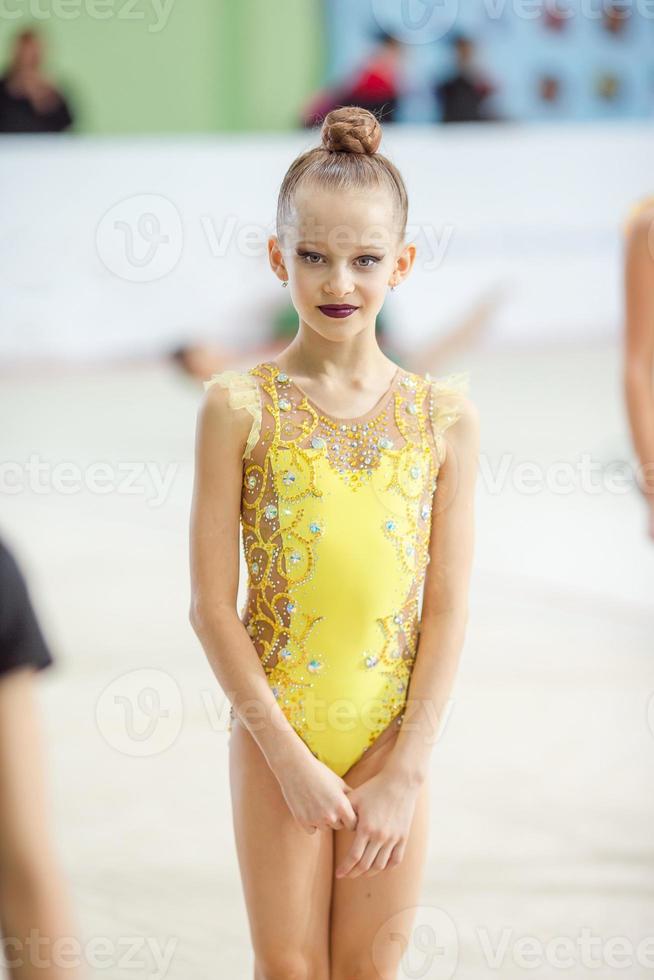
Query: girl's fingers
{"x": 353, "y": 856}
{"x": 367, "y": 857}
{"x": 382, "y": 859}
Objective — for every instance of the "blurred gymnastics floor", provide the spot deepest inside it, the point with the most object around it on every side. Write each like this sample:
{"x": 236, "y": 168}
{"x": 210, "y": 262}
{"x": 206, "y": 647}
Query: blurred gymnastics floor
{"x": 542, "y": 795}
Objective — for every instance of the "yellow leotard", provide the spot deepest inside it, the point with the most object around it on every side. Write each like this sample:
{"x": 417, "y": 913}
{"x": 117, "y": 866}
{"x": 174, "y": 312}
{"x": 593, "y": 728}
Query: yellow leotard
{"x": 336, "y": 520}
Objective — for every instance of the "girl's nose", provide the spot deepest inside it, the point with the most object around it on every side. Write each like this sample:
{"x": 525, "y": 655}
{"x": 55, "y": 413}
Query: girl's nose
{"x": 339, "y": 283}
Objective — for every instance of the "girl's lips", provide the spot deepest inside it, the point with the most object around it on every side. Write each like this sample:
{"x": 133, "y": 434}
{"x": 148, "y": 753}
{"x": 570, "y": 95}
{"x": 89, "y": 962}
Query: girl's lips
{"x": 337, "y": 311}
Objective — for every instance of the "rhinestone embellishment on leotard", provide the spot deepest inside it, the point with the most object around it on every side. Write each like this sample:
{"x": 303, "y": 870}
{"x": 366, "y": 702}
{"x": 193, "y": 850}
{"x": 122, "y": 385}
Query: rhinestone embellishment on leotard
{"x": 353, "y": 448}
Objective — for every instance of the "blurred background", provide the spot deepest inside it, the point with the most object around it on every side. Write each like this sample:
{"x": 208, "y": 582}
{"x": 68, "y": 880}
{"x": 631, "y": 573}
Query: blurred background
{"x": 142, "y": 146}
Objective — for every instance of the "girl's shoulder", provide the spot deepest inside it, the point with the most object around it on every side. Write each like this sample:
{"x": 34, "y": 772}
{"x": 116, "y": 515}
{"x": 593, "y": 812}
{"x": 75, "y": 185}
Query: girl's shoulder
{"x": 243, "y": 393}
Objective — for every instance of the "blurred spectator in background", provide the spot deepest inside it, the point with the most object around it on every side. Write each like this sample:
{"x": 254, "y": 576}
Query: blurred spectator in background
{"x": 549, "y": 88}
{"x": 615, "y": 17}
{"x": 464, "y": 95}
{"x": 374, "y": 86}
{"x": 29, "y": 103}
{"x": 639, "y": 343}
{"x": 32, "y": 893}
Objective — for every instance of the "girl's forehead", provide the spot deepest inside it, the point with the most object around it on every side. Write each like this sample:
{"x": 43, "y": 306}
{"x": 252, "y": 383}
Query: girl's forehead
{"x": 342, "y": 217}
{"x": 325, "y": 205}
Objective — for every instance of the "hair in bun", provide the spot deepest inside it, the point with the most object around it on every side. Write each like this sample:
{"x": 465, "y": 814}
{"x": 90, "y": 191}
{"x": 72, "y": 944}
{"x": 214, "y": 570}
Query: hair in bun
{"x": 346, "y": 160}
{"x": 351, "y": 130}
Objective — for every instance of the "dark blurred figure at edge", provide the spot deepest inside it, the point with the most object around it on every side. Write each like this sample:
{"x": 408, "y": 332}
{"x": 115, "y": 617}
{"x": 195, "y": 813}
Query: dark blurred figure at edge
{"x": 34, "y": 895}
{"x": 29, "y": 103}
{"x": 373, "y": 86}
{"x": 463, "y": 96}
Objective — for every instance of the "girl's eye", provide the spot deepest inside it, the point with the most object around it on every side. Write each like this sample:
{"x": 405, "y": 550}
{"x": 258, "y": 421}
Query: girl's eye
{"x": 308, "y": 256}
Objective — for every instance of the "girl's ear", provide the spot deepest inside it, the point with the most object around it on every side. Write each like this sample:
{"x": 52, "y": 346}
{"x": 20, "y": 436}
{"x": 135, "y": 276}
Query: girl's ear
{"x": 276, "y": 258}
{"x": 404, "y": 262}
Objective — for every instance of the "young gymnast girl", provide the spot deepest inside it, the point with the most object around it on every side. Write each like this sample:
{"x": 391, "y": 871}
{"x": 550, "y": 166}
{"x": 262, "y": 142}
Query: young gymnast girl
{"x": 352, "y": 481}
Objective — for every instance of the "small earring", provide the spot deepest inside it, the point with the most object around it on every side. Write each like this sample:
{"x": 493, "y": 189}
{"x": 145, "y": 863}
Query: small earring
{"x": 392, "y": 289}
{"x": 285, "y": 283}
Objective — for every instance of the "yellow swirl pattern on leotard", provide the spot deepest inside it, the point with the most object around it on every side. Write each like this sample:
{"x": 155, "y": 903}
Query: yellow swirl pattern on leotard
{"x": 336, "y": 521}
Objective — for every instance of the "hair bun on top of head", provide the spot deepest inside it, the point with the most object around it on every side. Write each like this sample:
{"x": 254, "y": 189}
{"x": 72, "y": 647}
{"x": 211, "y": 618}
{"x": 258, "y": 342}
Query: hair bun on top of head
{"x": 351, "y": 129}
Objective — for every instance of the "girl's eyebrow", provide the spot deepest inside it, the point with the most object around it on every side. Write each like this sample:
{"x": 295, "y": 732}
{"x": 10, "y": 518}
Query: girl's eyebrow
{"x": 362, "y": 248}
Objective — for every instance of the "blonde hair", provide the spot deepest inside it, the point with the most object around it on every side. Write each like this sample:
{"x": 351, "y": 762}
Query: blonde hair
{"x": 346, "y": 160}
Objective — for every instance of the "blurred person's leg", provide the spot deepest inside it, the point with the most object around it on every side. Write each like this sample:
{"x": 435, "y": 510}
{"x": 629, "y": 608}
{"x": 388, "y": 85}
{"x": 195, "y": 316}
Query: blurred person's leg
{"x": 639, "y": 344}
{"x": 35, "y": 920}
{"x": 33, "y": 900}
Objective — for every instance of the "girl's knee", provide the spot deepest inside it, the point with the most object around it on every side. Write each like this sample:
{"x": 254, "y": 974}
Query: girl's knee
{"x": 285, "y": 965}
{"x": 357, "y": 968}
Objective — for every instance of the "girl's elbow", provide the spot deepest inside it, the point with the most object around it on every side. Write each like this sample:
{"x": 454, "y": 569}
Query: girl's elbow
{"x": 205, "y": 616}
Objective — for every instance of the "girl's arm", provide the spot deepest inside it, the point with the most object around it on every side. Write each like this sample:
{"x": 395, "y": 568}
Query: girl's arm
{"x": 34, "y": 911}
{"x": 221, "y": 437}
{"x": 639, "y": 344}
{"x": 445, "y": 600}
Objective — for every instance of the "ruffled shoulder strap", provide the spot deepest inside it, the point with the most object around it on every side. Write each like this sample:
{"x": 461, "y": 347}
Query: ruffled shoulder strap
{"x": 243, "y": 393}
{"x": 446, "y": 404}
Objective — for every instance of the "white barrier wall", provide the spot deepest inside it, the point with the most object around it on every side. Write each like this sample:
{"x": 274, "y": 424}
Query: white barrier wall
{"x": 112, "y": 247}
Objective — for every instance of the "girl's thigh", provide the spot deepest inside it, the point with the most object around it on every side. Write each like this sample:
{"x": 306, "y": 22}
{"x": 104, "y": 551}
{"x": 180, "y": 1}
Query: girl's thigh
{"x": 372, "y": 916}
{"x": 286, "y": 872}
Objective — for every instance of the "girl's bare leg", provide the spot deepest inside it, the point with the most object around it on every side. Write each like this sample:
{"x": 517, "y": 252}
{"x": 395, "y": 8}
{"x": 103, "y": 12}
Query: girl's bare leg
{"x": 367, "y": 910}
{"x": 286, "y": 873}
